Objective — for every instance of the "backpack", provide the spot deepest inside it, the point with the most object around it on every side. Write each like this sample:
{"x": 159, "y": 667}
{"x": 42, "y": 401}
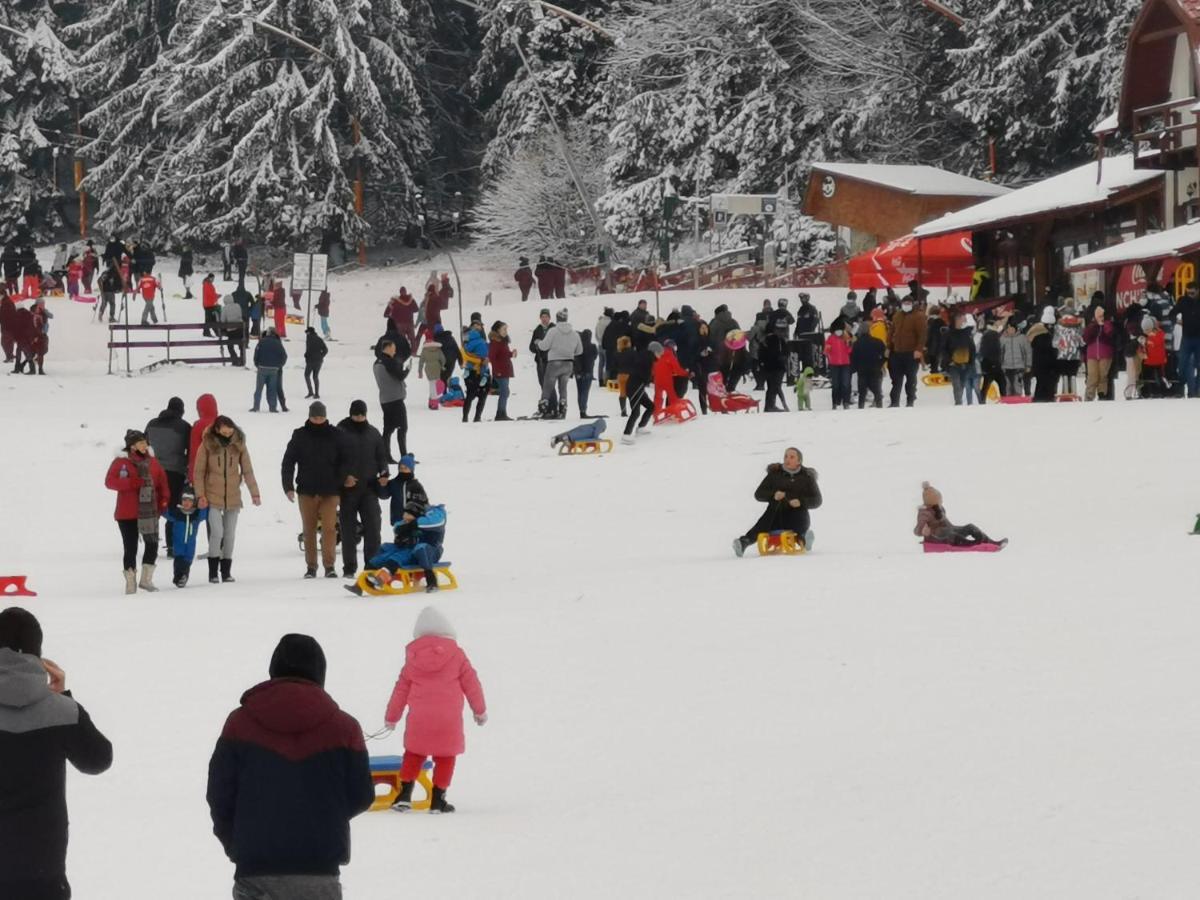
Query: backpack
{"x": 961, "y": 356}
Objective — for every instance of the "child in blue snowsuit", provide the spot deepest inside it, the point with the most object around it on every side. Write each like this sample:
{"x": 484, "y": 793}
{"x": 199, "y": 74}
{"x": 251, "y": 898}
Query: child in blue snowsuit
{"x": 454, "y": 391}
{"x": 184, "y": 521}
{"x": 418, "y": 544}
{"x": 590, "y": 431}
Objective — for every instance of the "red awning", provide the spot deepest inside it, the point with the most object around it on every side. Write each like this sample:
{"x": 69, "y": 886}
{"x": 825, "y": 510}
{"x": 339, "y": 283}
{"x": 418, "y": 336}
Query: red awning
{"x": 944, "y": 260}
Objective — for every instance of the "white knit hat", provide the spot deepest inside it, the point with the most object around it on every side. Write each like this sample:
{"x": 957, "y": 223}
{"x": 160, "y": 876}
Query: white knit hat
{"x": 1048, "y": 316}
{"x": 431, "y": 621}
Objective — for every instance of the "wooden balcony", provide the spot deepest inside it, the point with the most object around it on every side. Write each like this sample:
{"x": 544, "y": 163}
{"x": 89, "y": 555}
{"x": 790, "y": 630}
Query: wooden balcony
{"x": 1165, "y": 134}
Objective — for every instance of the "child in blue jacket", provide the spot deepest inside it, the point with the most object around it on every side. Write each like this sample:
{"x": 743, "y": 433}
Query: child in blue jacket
{"x": 418, "y": 543}
{"x": 184, "y": 521}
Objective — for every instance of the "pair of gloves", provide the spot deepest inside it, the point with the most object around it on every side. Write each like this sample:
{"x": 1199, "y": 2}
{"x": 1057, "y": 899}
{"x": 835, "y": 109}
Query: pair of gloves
{"x": 389, "y": 727}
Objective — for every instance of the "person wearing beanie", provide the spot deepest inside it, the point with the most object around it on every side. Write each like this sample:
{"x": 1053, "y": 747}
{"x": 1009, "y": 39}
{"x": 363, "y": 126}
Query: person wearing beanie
{"x": 184, "y": 519}
{"x": 222, "y": 463}
{"x": 143, "y": 495}
{"x": 316, "y": 466}
{"x": 42, "y": 728}
{"x": 315, "y": 351}
{"x": 722, "y": 323}
{"x": 406, "y": 495}
{"x": 358, "y": 511}
{"x": 933, "y": 526}
{"x": 436, "y": 678}
{"x": 562, "y": 345}
{"x": 637, "y": 387}
{"x": 288, "y": 773}
{"x": 500, "y": 357}
{"x": 270, "y": 357}
{"x": 1043, "y": 357}
{"x": 170, "y": 435}
{"x": 790, "y": 492}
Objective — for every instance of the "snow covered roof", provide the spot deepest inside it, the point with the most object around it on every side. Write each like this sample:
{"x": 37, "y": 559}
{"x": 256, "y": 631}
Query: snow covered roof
{"x": 1076, "y": 189}
{"x": 925, "y": 180}
{"x": 1108, "y": 124}
{"x": 1165, "y": 244}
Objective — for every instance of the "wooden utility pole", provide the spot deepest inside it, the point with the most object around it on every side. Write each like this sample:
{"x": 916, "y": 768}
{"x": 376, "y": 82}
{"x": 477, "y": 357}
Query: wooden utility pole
{"x": 83, "y": 207}
{"x": 946, "y": 11}
{"x": 358, "y": 188}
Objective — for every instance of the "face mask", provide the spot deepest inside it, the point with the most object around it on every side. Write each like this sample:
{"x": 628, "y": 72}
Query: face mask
{"x": 906, "y": 307}
{"x": 838, "y": 332}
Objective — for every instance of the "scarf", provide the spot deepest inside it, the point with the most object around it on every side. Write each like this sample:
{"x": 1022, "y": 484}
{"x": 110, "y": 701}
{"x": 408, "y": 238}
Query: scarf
{"x": 147, "y": 508}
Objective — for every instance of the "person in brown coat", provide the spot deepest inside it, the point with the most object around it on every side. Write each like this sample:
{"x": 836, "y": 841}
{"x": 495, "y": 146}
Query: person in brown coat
{"x": 908, "y": 335}
{"x": 222, "y": 463}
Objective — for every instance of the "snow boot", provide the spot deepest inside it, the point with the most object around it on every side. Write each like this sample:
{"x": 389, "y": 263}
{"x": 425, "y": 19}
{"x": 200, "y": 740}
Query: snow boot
{"x": 739, "y": 546}
{"x": 181, "y": 580}
{"x": 227, "y": 570}
{"x": 310, "y": 573}
{"x": 147, "y": 581}
{"x": 809, "y": 537}
{"x": 213, "y": 565}
{"x": 403, "y": 801}
{"x": 628, "y": 439}
{"x": 438, "y": 804}
{"x": 130, "y": 581}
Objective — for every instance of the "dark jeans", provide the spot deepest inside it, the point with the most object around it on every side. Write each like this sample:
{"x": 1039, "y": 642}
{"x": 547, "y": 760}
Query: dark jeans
{"x": 287, "y": 887}
{"x": 359, "y": 504}
{"x": 903, "y": 369}
{"x": 210, "y": 321}
{"x": 583, "y": 386}
{"x": 395, "y": 418}
{"x": 502, "y": 402}
{"x": 840, "y": 376}
{"x": 960, "y": 536}
{"x": 639, "y": 402}
{"x": 1189, "y": 357}
{"x": 176, "y": 481}
{"x": 129, "y": 538}
{"x": 870, "y": 379}
{"x": 476, "y": 393}
{"x": 992, "y": 373}
{"x": 700, "y": 383}
{"x": 312, "y": 377}
{"x": 775, "y": 389}
{"x": 779, "y": 516}
{"x": 269, "y": 379}
{"x": 233, "y": 343}
{"x": 40, "y": 889}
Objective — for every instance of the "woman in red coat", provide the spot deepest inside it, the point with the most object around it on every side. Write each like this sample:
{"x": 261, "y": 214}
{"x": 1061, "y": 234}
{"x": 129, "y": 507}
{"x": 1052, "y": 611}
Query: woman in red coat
{"x": 142, "y": 496}
{"x": 500, "y": 355}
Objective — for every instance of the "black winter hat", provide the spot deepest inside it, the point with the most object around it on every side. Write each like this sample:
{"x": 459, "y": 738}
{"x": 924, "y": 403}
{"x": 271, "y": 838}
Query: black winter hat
{"x": 175, "y": 405}
{"x": 132, "y": 436}
{"x": 358, "y": 408}
{"x": 298, "y": 656}
{"x": 477, "y": 317}
{"x": 20, "y": 631}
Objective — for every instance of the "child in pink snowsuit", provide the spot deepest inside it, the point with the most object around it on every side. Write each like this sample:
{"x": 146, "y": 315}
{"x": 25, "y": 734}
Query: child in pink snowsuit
{"x": 436, "y": 677}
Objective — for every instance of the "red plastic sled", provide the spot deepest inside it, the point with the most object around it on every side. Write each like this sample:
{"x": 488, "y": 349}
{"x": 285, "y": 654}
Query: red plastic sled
{"x": 1014, "y": 399}
{"x": 14, "y": 586}
{"x": 968, "y": 548}
{"x": 721, "y": 401}
{"x": 680, "y": 411}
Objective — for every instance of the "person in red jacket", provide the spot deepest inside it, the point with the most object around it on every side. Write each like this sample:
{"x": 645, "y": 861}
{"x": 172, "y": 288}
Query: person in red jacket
{"x": 402, "y": 311}
{"x": 445, "y": 292}
{"x": 837, "y": 353}
{"x": 665, "y": 370}
{"x": 23, "y": 332}
{"x": 74, "y": 274}
{"x": 148, "y": 288}
{"x": 279, "y": 308}
{"x": 8, "y": 315}
{"x": 1155, "y": 364}
{"x": 143, "y": 495}
{"x": 206, "y": 414}
{"x": 88, "y": 267}
{"x": 210, "y": 300}
{"x": 501, "y": 355}
{"x": 431, "y": 308}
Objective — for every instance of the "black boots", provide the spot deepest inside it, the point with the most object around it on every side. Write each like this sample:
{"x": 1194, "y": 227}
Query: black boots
{"x": 438, "y": 803}
{"x": 226, "y": 574}
{"x": 403, "y": 801}
{"x": 431, "y": 585}
{"x": 213, "y": 565}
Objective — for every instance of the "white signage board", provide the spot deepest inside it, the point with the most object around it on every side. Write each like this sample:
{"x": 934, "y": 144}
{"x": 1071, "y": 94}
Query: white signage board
{"x": 303, "y": 264}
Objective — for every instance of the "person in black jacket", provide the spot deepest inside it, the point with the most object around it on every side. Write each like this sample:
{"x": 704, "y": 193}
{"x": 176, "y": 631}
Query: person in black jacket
{"x": 790, "y": 491}
{"x": 42, "y": 728}
{"x": 269, "y": 359}
{"x": 539, "y": 355}
{"x": 316, "y": 466}
{"x": 637, "y": 390}
{"x": 585, "y": 364}
{"x": 315, "y": 351}
{"x": 990, "y": 356}
{"x": 368, "y": 471}
{"x": 618, "y": 328}
{"x": 170, "y": 437}
{"x": 773, "y": 359}
{"x": 408, "y": 500}
{"x": 113, "y": 251}
{"x": 867, "y": 355}
{"x": 289, "y": 772}
{"x": 1187, "y": 313}
{"x": 186, "y": 271}
{"x": 241, "y": 259}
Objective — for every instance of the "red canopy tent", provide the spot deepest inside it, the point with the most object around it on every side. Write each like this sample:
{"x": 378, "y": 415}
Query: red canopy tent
{"x": 943, "y": 260}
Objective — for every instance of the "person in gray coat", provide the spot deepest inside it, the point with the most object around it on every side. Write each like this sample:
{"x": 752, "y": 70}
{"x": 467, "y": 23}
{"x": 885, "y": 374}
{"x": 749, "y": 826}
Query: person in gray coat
{"x": 389, "y": 376}
{"x": 561, "y": 345}
{"x": 1016, "y": 358}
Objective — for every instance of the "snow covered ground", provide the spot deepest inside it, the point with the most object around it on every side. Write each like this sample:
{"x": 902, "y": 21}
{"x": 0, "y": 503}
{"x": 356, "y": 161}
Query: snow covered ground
{"x": 665, "y": 720}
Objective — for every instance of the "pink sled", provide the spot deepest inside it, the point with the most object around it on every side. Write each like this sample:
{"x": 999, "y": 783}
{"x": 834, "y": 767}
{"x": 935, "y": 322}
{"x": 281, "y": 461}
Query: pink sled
{"x": 931, "y": 547}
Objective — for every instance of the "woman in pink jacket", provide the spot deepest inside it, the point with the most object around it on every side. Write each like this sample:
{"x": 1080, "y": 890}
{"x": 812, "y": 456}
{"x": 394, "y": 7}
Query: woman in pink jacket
{"x": 436, "y": 677}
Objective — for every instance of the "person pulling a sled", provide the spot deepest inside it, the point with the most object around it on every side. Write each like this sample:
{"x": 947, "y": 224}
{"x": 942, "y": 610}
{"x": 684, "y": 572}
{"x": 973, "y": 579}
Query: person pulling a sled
{"x": 790, "y": 491}
{"x": 935, "y": 528}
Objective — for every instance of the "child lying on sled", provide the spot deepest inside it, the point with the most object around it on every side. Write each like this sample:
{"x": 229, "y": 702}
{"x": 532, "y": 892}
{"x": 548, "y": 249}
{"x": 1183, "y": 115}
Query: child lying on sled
{"x": 935, "y": 528}
{"x": 590, "y": 431}
{"x": 418, "y": 544}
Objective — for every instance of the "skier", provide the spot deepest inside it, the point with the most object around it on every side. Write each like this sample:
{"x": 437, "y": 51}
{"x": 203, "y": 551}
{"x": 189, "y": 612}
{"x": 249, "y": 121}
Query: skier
{"x": 142, "y": 496}
{"x": 183, "y": 522}
{"x": 221, "y": 464}
{"x": 790, "y": 492}
{"x": 935, "y": 528}
{"x": 437, "y": 675}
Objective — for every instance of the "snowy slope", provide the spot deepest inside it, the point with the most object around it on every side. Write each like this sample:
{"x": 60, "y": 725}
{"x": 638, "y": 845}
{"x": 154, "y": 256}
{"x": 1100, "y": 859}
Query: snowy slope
{"x": 666, "y": 720}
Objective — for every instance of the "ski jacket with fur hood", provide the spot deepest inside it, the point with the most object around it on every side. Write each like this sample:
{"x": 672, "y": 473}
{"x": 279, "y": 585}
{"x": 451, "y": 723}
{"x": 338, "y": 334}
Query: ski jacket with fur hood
{"x": 799, "y": 485}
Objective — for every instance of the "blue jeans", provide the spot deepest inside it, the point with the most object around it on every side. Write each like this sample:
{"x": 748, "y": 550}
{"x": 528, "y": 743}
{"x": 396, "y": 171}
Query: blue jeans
{"x": 325, "y": 325}
{"x": 268, "y": 378}
{"x": 502, "y": 406}
{"x": 1189, "y": 357}
{"x": 964, "y": 380}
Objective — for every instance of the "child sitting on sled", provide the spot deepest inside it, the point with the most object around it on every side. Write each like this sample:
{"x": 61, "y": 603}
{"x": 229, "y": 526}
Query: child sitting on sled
{"x": 418, "y": 543}
{"x": 589, "y": 431}
{"x": 935, "y": 528}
